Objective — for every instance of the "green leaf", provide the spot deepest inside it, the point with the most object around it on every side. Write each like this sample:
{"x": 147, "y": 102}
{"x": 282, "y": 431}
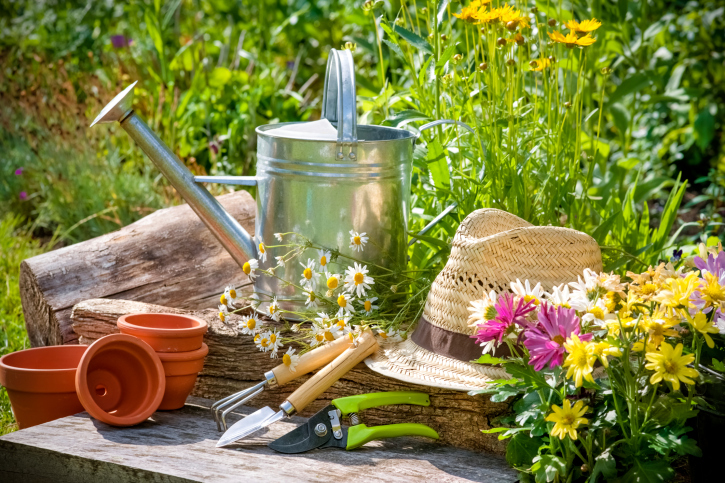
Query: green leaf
{"x": 605, "y": 467}
{"x": 628, "y": 163}
{"x": 219, "y": 77}
{"x": 503, "y": 393}
{"x": 404, "y": 117}
{"x": 712, "y": 241}
{"x": 152, "y": 25}
{"x": 395, "y": 48}
{"x": 438, "y": 165}
{"x": 445, "y": 57}
{"x": 648, "y": 472}
{"x": 600, "y": 234}
{"x": 622, "y": 6}
{"x": 718, "y": 365}
{"x": 621, "y": 118}
{"x": 548, "y": 467}
{"x": 522, "y": 449}
{"x": 704, "y": 128}
{"x": 414, "y": 39}
{"x": 489, "y": 359}
{"x": 630, "y": 85}
{"x": 442, "y": 7}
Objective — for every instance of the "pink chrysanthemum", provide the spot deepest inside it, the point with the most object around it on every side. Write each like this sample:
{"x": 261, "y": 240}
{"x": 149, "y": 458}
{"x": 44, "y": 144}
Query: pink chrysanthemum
{"x": 545, "y": 341}
{"x": 714, "y": 264}
{"x": 507, "y": 316}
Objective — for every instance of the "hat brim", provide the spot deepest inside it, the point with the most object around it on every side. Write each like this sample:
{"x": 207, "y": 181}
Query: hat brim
{"x": 408, "y": 362}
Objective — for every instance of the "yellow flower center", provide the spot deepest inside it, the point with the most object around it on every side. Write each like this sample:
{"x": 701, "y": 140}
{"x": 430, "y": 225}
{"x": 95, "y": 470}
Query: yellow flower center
{"x": 529, "y": 298}
{"x": 329, "y": 336}
{"x": 319, "y": 337}
{"x": 332, "y": 283}
{"x": 272, "y": 338}
{"x": 222, "y": 316}
{"x": 648, "y": 289}
{"x": 272, "y": 309}
{"x": 307, "y": 273}
{"x": 261, "y": 248}
{"x": 264, "y": 342}
{"x": 323, "y": 260}
{"x": 342, "y": 301}
{"x": 559, "y": 340}
{"x": 223, "y": 299}
{"x": 256, "y": 338}
{"x": 565, "y": 305}
{"x": 359, "y": 278}
{"x": 597, "y": 312}
{"x": 567, "y": 419}
{"x": 233, "y": 293}
{"x": 251, "y": 324}
{"x": 368, "y": 306}
{"x": 356, "y": 240}
{"x": 312, "y": 296}
{"x": 247, "y": 268}
{"x": 670, "y": 366}
{"x": 287, "y": 360}
{"x": 341, "y": 323}
{"x": 580, "y": 359}
{"x": 383, "y": 335}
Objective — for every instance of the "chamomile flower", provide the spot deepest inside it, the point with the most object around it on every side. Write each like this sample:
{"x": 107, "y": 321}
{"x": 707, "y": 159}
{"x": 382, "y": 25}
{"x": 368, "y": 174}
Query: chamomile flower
{"x": 482, "y": 310}
{"x": 368, "y": 305}
{"x": 309, "y": 276}
{"x": 357, "y": 240}
{"x": 280, "y": 261}
{"x": 273, "y": 310}
{"x": 229, "y": 297}
{"x": 249, "y": 267}
{"x": 274, "y": 342}
{"x": 560, "y": 296}
{"x": 524, "y": 291}
{"x": 390, "y": 336}
{"x": 357, "y": 280}
{"x": 333, "y": 281}
{"x": 262, "y": 251}
{"x": 322, "y": 318}
{"x": 345, "y": 302}
{"x": 323, "y": 334}
{"x": 223, "y": 312}
{"x": 262, "y": 342}
{"x": 290, "y": 359}
{"x": 343, "y": 325}
{"x": 278, "y": 236}
{"x": 594, "y": 312}
{"x": 249, "y": 325}
{"x": 311, "y": 301}
{"x": 323, "y": 258}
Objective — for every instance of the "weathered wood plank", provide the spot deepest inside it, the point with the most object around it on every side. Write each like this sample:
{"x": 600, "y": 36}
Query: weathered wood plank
{"x": 234, "y": 363}
{"x": 168, "y": 257}
{"x": 179, "y": 445}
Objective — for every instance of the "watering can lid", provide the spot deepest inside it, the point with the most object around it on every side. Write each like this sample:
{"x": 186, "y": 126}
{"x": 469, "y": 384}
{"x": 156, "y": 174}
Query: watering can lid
{"x": 320, "y": 130}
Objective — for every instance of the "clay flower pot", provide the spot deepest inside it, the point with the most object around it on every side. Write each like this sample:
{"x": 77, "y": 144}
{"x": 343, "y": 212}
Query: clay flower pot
{"x": 120, "y": 380}
{"x": 41, "y": 383}
{"x": 181, "y": 369}
{"x": 165, "y": 332}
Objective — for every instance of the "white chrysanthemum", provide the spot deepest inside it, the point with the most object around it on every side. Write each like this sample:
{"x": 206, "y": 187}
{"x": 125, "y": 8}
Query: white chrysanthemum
{"x": 357, "y": 240}
{"x": 524, "y": 291}
{"x": 560, "y": 296}
{"x": 357, "y": 280}
{"x": 345, "y": 302}
{"x": 290, "y": 359}
{"x": 309, "y": 276}
{"x": 273, "y": 310}
{"x": 249, "y": 325}
{"x": 323, "y": 258}
{"x": 249, "y": 268}
{"x": 311, "y": 301}
{"x": 223, "y": 312}
{"x": 368, "y": 305}
{"x": 483, "y": 309}
{"x": 262, "y": 342}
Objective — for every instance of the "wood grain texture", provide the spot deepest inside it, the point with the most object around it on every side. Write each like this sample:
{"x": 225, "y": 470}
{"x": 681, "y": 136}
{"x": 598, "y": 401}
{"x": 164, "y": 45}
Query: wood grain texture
{"x": 167, "y": 257}
{"x": 234, "y": 363}
{"x": 176, "y": 446}
{"x": 312, "y": 360}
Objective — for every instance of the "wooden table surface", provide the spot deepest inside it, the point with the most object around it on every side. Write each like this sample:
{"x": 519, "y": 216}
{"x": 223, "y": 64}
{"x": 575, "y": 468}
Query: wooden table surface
{"x": 175, "y": 446}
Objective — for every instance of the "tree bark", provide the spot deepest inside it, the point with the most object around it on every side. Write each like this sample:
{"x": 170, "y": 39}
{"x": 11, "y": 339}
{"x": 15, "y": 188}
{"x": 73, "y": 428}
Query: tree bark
{"x": 234, "y": 363}
{"x": 168, "y": 257}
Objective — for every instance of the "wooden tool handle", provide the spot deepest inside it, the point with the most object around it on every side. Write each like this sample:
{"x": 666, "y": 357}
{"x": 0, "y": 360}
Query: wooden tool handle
{"x": 312, "y": 360}
{"x": 320, "y": 382}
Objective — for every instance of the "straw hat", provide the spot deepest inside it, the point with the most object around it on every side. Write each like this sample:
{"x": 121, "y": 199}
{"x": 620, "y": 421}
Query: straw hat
{"x": 491, "y": 248}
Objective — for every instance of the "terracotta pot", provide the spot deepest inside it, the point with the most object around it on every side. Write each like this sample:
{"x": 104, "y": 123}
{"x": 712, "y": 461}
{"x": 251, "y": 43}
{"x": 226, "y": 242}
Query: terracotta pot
{"x": 181, "y": 369}
{"x": 120, "y": 380}
{"x": 41, "y": 383}
{"x": 165, "y": 332}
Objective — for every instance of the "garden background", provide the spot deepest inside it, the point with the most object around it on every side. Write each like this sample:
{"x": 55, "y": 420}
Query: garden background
{"x": 639, "y": 163}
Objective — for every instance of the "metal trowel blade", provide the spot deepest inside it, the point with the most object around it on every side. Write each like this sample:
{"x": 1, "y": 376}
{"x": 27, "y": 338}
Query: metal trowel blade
{"x": 250, "y": 424}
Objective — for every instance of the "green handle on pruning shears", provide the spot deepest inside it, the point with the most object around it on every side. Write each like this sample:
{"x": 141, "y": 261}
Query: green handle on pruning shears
{"x": 354, "y": 404}
{"x": 361, "y": 434}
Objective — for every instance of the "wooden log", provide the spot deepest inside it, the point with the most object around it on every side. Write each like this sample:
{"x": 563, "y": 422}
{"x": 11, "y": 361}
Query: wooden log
{"x": 168, "y": 257}
{"x": 179, "y": 446}
{"x": 234, "y": 363}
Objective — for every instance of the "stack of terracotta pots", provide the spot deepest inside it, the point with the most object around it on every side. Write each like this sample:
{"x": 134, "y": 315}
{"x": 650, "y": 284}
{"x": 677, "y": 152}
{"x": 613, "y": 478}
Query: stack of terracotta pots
{"x": 120, "y": 379}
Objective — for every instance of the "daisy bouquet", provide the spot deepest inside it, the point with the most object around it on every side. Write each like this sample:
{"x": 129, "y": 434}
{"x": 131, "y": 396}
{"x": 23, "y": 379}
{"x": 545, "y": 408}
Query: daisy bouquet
{"x": 342, "y": 296}
{"x": 604, "y": 369}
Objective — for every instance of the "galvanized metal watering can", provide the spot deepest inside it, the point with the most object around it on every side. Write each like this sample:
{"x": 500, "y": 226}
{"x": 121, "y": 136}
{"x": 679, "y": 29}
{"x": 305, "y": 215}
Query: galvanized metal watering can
{"x": 321, "y": 189}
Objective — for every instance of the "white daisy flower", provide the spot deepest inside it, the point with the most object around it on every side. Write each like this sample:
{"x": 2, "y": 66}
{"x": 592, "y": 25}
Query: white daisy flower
{"x": 368, "y": 305}
{"x": 323, "y": 334}
{"x": 290, "y": 359}
{"x": 323, "y": 258}
{"x": 262, "y": 342}
{"x": 357, "y": 240}
{"x": 311, "y": 301}
{"x": 483, "y": 309}
{"x": 249, "y": 325}
{"x": 223, "y": 312}
{"x": 354, "y": 337}
{"x": 249, "y": 268}
{"x": 333, "y": 281}
{"x": 357, "y": 280}
{"x": 274, "y": 339}
{"x": 322, "y": 318}
{"x": 229, "y": 297}
{"x": 343, "y": 325}
{"x": 524, "y": 291}
{"x": 592, "y": 312}
{"x": 309, "y": 277}
{"x": 262, "y": 251}
{"x": 345, "y": 303}
{"x": 560, "y": 296}
{"x": 280, "y": 261}
{"x": 390, "y": 336}
{"x": 273, "y": 310}
{"x": 278, "y": 236}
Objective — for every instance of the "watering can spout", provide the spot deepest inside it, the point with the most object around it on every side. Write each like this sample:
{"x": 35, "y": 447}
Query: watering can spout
{"x": 225, "y": 228}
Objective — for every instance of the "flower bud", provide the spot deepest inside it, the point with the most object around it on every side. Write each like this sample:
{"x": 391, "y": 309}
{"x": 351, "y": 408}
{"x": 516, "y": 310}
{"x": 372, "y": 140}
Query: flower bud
{"x": 567, "y": 104}
{"x": 510, "y": 62}
{"x": 424, "y": 10}
{"x": 351, "y": 46}
{"x": 483, "y": 66}
{"x": 551, "y": 22}
{"x": 606, "y": 71}
{"x": 519, "y": 39}
{"x": 368, "y": 6}
{"x": 584, "y": 468}
{"x": 501, "y": 41}
{"x": 552, "y": 59}
{"x": 444, "y": 37}
{"x": 456, "y": 58}
{"x": 534, "y": 10}
{"x": 400, "y": 21}
{"x": 533, "y": 64}
{"x": 511, "y": 26}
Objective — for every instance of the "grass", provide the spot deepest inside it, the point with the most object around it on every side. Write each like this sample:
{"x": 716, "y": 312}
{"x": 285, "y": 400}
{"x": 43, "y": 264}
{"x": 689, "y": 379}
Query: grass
{"x": 16, "y": 244}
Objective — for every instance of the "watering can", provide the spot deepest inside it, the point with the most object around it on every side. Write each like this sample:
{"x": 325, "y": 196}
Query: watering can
{"x": 321, "y": 189}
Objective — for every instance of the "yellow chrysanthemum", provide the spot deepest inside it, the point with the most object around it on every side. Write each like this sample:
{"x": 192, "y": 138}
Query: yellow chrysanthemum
{"x": 678, "y": 291}
{"x": 571, "y": 39}
{"x": 468, "y": 13}
{"x": 484, "y": 16}
{"x": 585, "y": 26}
{"x": 669, "y": 364}
{"x": 699, "y": 323}
{"x": 711, "y": 291}
{"x": 580, "y": 360}
{"x": 603, "y": 349}
{"x": 658, "y": 327}
{"x": 508, "y": 14}
{"x": 567, "y": 419}
{"x": 539, "y": 65}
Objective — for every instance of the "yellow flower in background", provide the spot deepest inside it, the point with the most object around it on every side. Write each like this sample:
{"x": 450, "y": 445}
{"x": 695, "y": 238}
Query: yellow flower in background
{"x": 585, "y": 26}
{"x": 669, "y": 364}
{"x": 469, "y": 13}
{"x": 567, "y": 419}
{"x": 571, "y": 39}
{"x": 613, "y": 325}
{"x": 699, "y": 323}
{"x": 539, "y": 65}
{"x": 678, "y": 291}
{"x": 580, "y": 360}
{"x": 603, "y": 349}
{"x": 639, "y": 346}
{"x": 512, "y": 18}
{"x": 484, "y": 16}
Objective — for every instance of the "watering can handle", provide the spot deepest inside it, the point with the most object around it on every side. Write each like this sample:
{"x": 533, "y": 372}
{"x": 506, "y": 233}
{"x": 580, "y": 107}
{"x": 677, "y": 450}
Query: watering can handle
{"x": 338, "y": 101}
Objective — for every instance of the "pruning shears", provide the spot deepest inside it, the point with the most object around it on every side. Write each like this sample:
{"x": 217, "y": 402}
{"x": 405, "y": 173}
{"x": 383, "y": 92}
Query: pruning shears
{"x": 324, "y": 429}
